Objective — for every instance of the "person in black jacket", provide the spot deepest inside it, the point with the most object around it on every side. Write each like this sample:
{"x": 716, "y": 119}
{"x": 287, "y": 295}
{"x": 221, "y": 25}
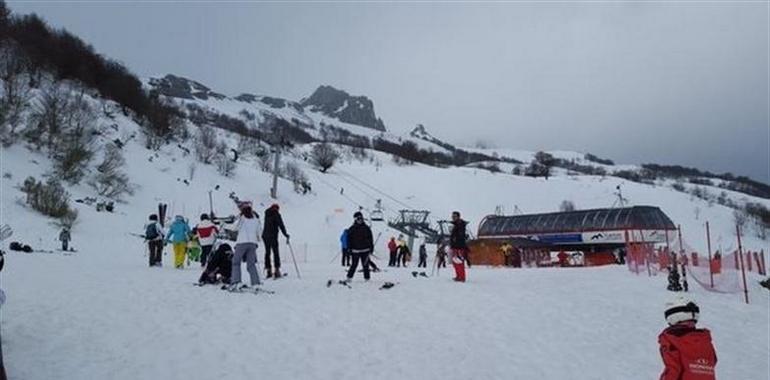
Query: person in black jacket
{"x": 273, "y": 223}
{"x": 459, "y": 246}
{"x": 360, "y": 244}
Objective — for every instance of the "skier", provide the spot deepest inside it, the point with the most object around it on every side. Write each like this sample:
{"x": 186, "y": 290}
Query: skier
{"x": 248, "y": 227}
{"x": 273, "y": 223}
{"x": 423, "y": 257}
{"x": 393, "y": 249}
{"x": 441, "y": 255}
{"x": 360, "y": 244}
{"x": 153, "y": 236}
{"x": 219, "y": 266}
{"x": 344, "y": 247}
{"x": 207, "y": 235}
{"x": 400, "y": 250}
{"x": 458, "y": 246}
{"x": 64, "y": 237}
{"x": 687, "y": 351}
{"x": 178, "y": 234}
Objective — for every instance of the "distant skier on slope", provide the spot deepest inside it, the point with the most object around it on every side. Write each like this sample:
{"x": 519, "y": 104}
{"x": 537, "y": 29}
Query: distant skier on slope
{"x": 65, "y": 237}
{"x": 273, "y": 223}
{"x": 458, "y": 246}
{"x": 360, "y": 244}
{"x": 687, "y": 351}
{"x": 393, "y": 250}
{"x": 423, "y": 256}
{"x": 178, "y": 234}
{"x": 153, "y": 236}
{"x": 246, "y": 246}
{"x": 207, "y": 235}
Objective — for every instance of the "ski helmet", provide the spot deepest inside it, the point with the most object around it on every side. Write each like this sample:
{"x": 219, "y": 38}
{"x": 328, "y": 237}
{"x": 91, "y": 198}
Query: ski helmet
{"x": 204, "y": 216}
{"x": 681, "y": 309}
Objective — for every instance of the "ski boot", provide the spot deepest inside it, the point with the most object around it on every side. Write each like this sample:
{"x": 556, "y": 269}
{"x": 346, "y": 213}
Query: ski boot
{"x": 277, "y": 274}
{"x": 269, "y": 273}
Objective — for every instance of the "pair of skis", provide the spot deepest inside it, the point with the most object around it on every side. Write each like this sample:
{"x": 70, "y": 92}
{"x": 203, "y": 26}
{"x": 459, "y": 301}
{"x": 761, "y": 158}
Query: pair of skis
{"x": 346, "y": 283}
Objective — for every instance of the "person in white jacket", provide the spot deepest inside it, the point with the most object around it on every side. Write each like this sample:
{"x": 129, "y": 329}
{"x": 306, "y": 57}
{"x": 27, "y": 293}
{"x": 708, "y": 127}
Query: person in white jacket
{"x": 207, "y": 236}
{"x": 249, "y": 229}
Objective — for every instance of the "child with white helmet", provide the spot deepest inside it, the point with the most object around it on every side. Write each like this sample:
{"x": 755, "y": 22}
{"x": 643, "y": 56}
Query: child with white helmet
{"x": 687, "y": 351}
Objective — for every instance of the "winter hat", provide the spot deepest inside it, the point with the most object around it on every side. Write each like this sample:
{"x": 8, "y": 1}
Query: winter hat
{"x": 204, "y": 216}
{"x": 275, "y": 206}
{"x": 358, "y": 214}
{"x": 244, "y": 204}
{"x": 681, "y": 309}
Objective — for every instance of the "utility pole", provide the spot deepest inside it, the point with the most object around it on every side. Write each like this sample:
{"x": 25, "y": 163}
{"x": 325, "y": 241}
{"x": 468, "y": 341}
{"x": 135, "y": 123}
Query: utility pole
{"x": 211, "y": 207}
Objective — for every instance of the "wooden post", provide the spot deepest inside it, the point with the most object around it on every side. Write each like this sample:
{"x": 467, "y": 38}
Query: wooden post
{"x": 708, "y": 242}
{"x": 762, "y": 261}
{"x": 646, "y": 254}
{"x": 740, "y": 260}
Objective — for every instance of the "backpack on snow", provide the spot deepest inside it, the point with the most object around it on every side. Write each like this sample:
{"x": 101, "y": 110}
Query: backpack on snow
{"x": 151, "y": 233}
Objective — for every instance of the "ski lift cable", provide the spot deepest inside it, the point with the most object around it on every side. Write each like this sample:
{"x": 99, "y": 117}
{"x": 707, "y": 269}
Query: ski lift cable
{"x": 351, "y": 200}
{"x": 375, "y": 189}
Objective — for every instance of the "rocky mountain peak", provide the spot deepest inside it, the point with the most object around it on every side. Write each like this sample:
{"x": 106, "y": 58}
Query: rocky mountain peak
{"x": 347, "y": 108}
{"x": 180, "y": 87}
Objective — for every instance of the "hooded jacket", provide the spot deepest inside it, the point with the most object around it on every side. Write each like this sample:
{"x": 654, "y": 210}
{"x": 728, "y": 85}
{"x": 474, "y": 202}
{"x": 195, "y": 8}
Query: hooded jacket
{"x": 360, "y": 238}
{"x": 207, "y": 232}
{"x": 687, "y": 353}
{"x": 273, "y": 223}
{"x": 178, "y": 232}
{"x": 457, "y": 239}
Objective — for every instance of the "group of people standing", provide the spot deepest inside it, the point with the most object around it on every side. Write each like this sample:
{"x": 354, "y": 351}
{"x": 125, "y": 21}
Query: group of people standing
{"x": 204, "y": 235}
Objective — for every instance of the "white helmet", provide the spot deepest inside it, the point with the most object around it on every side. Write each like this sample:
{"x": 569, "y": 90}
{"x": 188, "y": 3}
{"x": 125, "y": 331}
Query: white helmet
{"x": 681, "y": 309}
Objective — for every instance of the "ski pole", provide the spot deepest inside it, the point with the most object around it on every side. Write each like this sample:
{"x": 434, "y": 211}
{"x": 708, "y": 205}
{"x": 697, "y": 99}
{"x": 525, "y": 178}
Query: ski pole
{"x": 291, "y": 250}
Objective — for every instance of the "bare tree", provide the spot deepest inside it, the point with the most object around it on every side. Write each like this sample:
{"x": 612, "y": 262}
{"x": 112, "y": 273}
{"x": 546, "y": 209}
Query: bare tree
{"x": 110, "y": 181}
{"x": 16, "y": 91}
{"x": 567, "y": 205}
{"x": 324, "y": 156}
{"x": 225, "y": 166}
{"x": 206, "y": 144}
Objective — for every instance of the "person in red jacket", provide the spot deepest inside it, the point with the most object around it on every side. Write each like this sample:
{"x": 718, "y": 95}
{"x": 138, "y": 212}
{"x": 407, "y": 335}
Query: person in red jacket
{"x": 207, "y": 235}
{"x": 687, "y": 351}
{"x": 393, "y": 249}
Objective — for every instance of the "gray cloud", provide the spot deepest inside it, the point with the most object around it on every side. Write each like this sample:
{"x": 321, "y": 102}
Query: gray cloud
{"x": 667, "y": 83}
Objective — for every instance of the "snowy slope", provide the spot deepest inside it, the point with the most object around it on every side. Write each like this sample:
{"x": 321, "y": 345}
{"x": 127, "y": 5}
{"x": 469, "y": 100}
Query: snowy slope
{"x": 102, "y": 313}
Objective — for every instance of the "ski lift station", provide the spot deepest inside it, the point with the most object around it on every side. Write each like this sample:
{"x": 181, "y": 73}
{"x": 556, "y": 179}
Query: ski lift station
{"x": 597, "y": 235}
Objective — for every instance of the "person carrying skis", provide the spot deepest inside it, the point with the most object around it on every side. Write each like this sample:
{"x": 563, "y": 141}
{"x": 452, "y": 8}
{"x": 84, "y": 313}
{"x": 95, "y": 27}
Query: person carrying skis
{"x": 344, "y": 246}
{"x": 393, "y": 249}
{"x": 153, "y": 236}
{"x": 687, "y": 351}
{"x": 64, "y": 237}
{"x": 423, "y": 257}
{"x": 360, "y": 244}
{"x": 207, "y": 235}
{"x": 248, "y": 227}
{"x": 178, "y": 234}
{"x": 273, "y": 223}
{"x": 459, "y": 246}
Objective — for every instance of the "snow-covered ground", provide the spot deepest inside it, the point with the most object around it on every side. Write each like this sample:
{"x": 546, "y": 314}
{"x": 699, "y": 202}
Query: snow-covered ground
{"x": 102, "y": 314}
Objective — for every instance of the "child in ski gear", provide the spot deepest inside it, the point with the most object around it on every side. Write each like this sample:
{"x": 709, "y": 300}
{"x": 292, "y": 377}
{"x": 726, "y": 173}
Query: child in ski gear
{"x": 219, "y": 266}
{"x": 393, "y": 249}
{"x": 273, "y": 223}
{"x": 64, "y": 237}
{"x": 246, "y": 246}
{"x": 153, "y": 235}
{"x": 687, "y": 351}
{"x": 193, "y": 248}
{"x": 423, "y": 257}
{"x": 207, "y": 235}
{"x": 459, "y": 246}
{"x": 344, "y": 245}
{"x": 441, "y": 255}
{"x": 360, "y": 244}
{"x": 178, "y": 234}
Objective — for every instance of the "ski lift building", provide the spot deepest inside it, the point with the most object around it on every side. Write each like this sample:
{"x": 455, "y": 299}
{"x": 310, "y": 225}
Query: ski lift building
{"x": 597, "y": 233}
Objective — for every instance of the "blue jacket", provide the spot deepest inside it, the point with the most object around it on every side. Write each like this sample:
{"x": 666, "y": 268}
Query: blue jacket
{"x": 178, "y": 232}
{"x": 344, "y": 239}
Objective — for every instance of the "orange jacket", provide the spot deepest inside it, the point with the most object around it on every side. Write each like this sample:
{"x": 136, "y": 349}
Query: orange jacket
{"x": 687, "y": 353}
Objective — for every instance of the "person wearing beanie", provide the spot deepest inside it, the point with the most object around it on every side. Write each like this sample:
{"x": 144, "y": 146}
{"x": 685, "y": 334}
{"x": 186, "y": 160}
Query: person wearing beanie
{"x": 273, "y": 223}
{"x": 207, "y": 235}
{"x": 178, "y": 235}
{"x": 360, "y": 245}
{"x": 153, "y": 236}
{"x": 687, "y": 351}
{"x": 249, "y": 230}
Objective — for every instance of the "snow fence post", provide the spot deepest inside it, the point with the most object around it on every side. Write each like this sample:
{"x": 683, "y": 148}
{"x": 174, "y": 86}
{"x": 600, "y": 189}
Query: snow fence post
{"x": 708, "y": 242}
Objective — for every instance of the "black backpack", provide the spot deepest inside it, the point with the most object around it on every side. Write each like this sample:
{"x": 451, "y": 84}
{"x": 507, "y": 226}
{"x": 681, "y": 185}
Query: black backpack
{"x": 151, "y": 232}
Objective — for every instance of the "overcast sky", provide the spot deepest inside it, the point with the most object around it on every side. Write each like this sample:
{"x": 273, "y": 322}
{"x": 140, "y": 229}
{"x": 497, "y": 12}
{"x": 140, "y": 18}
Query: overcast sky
{"x": 677, "y": 83}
